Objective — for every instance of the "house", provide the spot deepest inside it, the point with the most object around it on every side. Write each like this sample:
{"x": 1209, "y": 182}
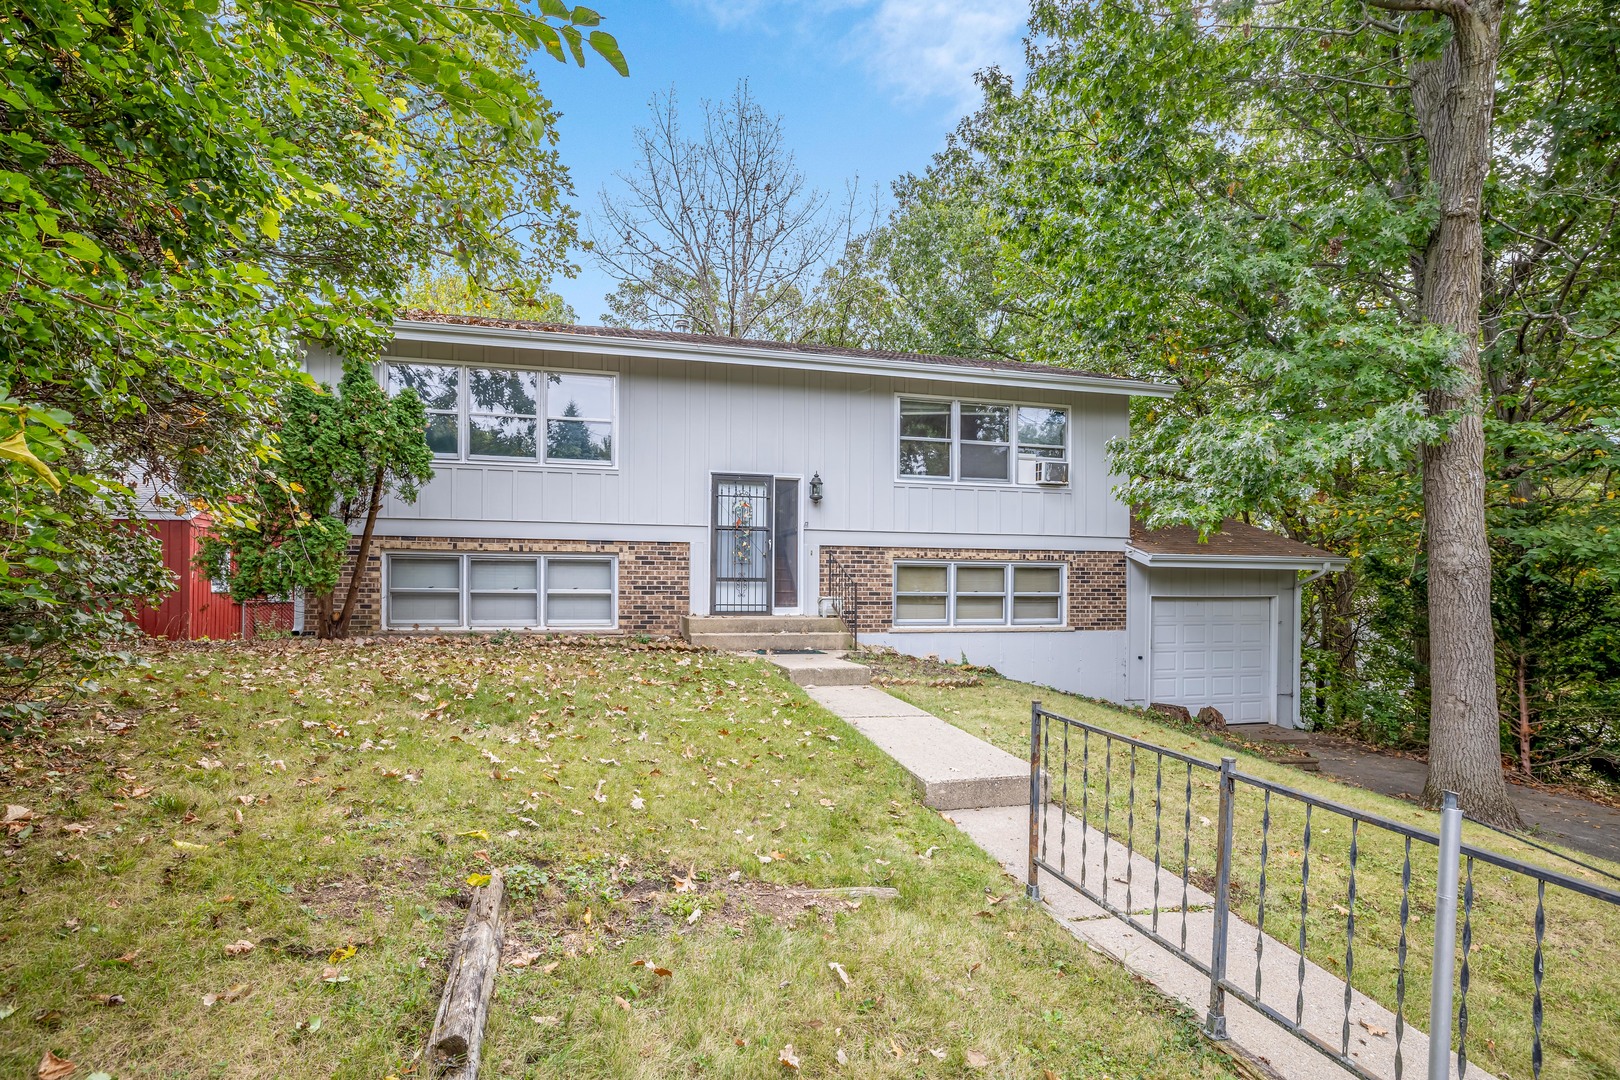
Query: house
{"x": 641, "y": 482}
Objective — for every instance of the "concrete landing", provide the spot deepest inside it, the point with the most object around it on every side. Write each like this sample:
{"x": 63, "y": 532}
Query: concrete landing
{"x": 753, "y": 632}
{"x": 819, "y": 669}
{"x": 952, "y": 769}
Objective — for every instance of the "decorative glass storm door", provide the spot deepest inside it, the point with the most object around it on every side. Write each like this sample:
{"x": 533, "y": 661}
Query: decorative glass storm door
{"x": 742, "y": 545}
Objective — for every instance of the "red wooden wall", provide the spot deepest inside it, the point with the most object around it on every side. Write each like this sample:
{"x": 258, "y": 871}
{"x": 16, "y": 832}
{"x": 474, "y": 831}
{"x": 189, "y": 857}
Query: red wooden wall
{"x": 193, "y": 611}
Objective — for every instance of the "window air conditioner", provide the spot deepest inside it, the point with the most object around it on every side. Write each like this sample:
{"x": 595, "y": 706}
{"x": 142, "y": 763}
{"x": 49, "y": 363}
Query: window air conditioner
{"x": 1052, "y": 472}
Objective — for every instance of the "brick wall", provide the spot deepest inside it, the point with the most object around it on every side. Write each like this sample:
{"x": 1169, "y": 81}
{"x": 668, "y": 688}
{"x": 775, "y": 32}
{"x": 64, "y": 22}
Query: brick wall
{"x": 1096, "y": 580}
{"x": 654, "y": 575}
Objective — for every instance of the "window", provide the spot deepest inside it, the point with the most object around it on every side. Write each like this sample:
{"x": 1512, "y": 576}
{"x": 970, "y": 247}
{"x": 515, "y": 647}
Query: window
{"x": 978, "y": 442}
{"x": 478, "y": 591}
{"x": 579, "y": 417}
{"x": 484, "y": 414}
{"x": 978, "y": 594}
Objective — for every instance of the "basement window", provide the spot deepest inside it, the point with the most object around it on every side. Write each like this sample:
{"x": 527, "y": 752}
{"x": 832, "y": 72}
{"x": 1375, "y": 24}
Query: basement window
{"x": 477, "y": 592}
{"x": 972, "y": 594}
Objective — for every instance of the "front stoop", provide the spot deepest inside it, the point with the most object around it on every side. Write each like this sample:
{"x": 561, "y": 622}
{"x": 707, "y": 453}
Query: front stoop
{"x": 820, "y": 669}
{"x": 950, "y": 768}
{"x": 770, "y": 633}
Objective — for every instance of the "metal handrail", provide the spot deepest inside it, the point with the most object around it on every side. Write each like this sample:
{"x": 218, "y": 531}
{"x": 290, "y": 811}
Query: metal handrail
{"x": 841, "y": 583}
{"x": 1050, "y": 779}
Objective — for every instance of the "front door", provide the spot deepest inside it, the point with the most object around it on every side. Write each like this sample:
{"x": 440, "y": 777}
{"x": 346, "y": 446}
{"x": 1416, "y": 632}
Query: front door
{"x": 742, "y": 545}
{"x": 756, "y": 545}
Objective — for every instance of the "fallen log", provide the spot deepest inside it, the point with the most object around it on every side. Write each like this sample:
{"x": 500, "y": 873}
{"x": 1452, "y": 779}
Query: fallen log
{"x": 457, "y": 1040}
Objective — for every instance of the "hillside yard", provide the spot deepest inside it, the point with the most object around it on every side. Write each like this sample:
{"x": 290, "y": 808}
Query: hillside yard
{"x": 251, "y": 862}
{"x": 1581, "y": 1034}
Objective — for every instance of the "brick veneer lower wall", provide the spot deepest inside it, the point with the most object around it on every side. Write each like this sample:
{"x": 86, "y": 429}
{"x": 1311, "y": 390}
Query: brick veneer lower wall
{"x": 1096, "y": 580}
{"x": 654, "y": 575}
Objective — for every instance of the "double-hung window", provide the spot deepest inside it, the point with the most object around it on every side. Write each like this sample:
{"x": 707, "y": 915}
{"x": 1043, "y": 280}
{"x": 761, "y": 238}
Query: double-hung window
{"x": 514, "y": 414}
{"x": 978, "y": 594}
{"x": 559, "y": 592}
{"x": 982, "y": 442}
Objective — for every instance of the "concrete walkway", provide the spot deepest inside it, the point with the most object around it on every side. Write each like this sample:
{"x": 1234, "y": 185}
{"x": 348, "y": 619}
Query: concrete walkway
{"x": 1577, "y": 823}
{"x": 987, "y": 792}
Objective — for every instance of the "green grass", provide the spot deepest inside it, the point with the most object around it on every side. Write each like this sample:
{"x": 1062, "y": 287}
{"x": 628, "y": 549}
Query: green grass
{"x": 1581, "y": 1033}
{"x": 327, "y": 804}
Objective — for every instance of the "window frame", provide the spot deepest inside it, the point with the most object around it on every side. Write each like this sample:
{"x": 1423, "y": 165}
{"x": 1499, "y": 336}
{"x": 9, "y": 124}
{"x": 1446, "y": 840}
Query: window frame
{"x": 1015, "y": 449}
{"x": 464, "y": 591}
{"x": 1009, "y": 594}
{"x": 542, "y": 403}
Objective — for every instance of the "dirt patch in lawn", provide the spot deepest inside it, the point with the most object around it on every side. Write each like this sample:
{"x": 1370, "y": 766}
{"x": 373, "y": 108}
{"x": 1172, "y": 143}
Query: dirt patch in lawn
{"x": 890, "y": 668}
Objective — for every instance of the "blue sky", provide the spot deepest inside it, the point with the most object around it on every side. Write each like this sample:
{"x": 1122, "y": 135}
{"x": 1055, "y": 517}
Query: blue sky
{"x": 864, "y": 87}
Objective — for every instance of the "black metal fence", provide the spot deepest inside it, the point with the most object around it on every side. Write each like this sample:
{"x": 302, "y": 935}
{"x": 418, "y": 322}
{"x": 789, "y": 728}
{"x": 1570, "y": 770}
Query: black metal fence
{"x": 1239, "y": 865}
{"x": 843, "y": 591}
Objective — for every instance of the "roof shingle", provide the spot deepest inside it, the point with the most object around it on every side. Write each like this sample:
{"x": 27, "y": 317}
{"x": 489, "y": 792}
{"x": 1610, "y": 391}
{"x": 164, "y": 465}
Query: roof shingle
{"x": 1233, "y": 540}
{"x": 673, "y": 337}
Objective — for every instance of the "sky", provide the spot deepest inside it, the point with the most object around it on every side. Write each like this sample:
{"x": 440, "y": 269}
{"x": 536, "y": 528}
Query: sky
{"x": 865, "y": 88}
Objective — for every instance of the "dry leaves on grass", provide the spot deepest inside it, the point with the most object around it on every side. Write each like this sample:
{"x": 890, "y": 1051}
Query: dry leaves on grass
{"x": 239, "y": 948}
{"x": 977, "y": 1059}
{"x": 789, "y": 1059}
{"x": 236, "y": 992}
{"x": 52, "y": 1067}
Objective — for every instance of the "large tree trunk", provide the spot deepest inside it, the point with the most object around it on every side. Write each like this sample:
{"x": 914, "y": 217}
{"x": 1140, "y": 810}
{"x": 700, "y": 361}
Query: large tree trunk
{"x": 1454, "y": 97}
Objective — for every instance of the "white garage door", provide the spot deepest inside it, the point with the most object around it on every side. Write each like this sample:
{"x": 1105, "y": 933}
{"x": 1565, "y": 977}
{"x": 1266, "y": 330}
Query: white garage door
{"x": 1214, "y": 652}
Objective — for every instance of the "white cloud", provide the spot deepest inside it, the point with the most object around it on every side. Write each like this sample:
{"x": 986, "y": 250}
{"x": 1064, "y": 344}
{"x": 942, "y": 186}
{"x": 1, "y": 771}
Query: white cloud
{"x": 930, "y": 49}
{"x": 920, "y": 50}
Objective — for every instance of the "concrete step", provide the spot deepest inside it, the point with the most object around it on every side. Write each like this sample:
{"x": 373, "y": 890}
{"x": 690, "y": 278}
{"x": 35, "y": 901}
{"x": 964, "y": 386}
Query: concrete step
{"x": 951, "y": 769}
{"x": 819, "y": 669}
{"x": 759, "y": 624}
{"x": 745, "y": 642}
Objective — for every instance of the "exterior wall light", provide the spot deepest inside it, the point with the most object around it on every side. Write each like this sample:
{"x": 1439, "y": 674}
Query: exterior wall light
{"x": 815, "y": 488}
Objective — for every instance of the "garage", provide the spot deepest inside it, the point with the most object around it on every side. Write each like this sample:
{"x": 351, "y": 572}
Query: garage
{"x": 1215, "y": 620}
{"x": 1214, "y": 651}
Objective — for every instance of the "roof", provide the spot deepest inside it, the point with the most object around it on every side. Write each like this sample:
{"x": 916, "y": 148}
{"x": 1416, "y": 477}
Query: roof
{"x": 1234, "y": 544}
{"x": 419, "y": 325}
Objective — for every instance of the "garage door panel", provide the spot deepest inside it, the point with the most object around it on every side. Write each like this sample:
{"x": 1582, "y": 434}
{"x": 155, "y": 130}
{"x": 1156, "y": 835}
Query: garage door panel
{"x": 1214, "y": 651}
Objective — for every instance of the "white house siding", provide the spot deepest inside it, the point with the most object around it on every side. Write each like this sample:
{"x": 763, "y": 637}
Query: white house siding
{"x": 1143, "y": 584}
{"x": 679, "y": 421}
{"x": 1087, "y": 662}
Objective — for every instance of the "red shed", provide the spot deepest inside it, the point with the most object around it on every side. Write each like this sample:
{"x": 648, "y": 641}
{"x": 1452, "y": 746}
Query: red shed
{"x": 199, "y": 609}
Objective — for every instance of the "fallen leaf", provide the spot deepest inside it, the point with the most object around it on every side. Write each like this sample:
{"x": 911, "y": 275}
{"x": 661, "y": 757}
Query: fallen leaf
{"x": 187, "y": 845}
{"x": 1374, "y": 1029}
{"x": 549, "y": 968}
{"x": 476, "y": 834}
{"x": 478, "y": 881}
{"x": 109, "y": 1000}
{"x": 937, "y": 1052}
{"x": 788, "y": 1058}
{"x": 621, "y": 1003}
{"x": 17, "y": 813}
{"x": 976, "y": 1059}
{"x": 842, "y": 1058}
{"x": 239, "y": 948}
{"x": 662, "y": 973}
{"x": 697, "y": 913}
{"x": 340, "y": 955}
{"x": 235, "y": 992}
{"x": 526, "y": 960}
{"x": 52, "y": 1067}
{"x": 546, "y": 1021}
{"x": 838, "y": 970}
{"x": 637, "y": 803}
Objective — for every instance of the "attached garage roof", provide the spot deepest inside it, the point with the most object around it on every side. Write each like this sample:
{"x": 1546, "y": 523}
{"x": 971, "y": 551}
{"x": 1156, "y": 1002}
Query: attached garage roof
{"x": 1234, "y": 545}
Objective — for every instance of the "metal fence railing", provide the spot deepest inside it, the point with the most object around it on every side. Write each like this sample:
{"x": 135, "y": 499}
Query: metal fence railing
{"x": 1223, "y": 869}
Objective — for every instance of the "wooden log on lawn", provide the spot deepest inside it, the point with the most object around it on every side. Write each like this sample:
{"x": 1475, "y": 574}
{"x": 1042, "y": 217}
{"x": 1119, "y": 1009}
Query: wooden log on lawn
{"x": 457, "y": 1039}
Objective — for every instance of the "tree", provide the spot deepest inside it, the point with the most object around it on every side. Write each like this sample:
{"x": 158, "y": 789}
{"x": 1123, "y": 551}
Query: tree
{"x": 340, "y": 455}
{"x": 189, "y": 194}
{"x": 448, "y": 291}
{"x": 718, "y": 235}
{"x": 1387, "y": 305}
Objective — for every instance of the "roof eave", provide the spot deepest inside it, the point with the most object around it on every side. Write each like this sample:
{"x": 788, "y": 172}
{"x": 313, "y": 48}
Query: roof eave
{"x": 1160, "y": 560}
{"x": 550, "y": 340}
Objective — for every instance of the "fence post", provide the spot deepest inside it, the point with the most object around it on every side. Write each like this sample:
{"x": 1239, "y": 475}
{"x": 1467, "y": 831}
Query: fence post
{"x": 1032, "y": 883}
{"x": 1215, "y": 1023}
{"x": 1445, "y": 938}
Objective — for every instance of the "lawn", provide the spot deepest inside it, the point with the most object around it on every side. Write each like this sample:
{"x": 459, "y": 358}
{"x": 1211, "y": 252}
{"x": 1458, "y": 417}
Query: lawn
{"x": 252, "y": 861}
{"x": 1581, "y": 1033}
